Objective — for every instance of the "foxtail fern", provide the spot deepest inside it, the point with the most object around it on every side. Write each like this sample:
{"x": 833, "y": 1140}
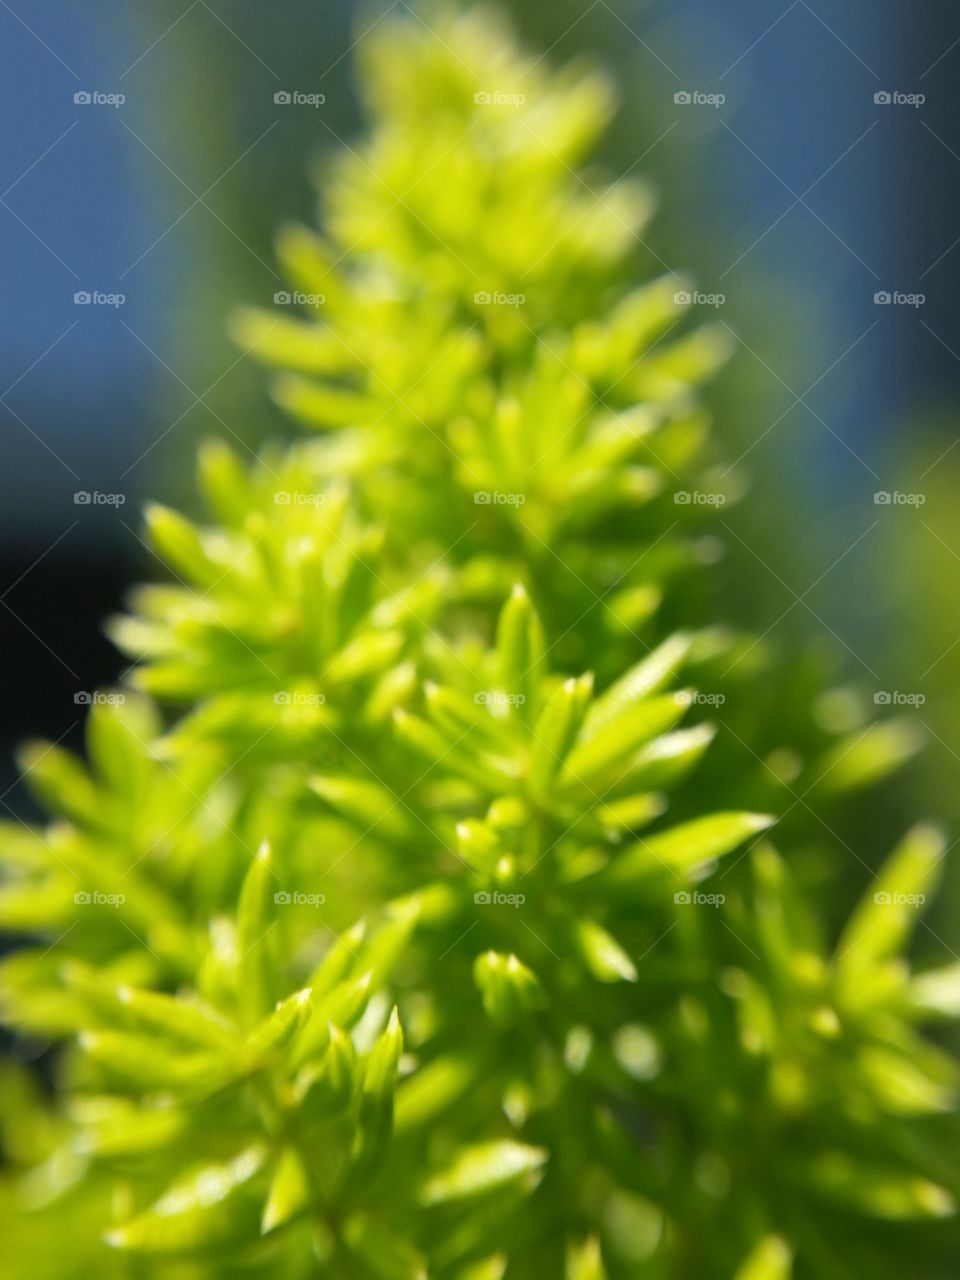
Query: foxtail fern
{"x": 386, "y": 931}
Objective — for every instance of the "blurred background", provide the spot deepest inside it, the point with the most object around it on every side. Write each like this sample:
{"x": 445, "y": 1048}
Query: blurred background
{"x": 808, "y": 162}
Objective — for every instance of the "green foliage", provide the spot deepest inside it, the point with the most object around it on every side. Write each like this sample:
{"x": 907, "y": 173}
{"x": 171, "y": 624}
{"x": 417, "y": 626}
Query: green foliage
{"x": 413, "y": 944}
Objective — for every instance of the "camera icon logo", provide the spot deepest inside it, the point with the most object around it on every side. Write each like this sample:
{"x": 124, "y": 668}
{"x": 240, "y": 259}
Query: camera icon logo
{"x": 282, "y": 298}
{"x": 482, "y": 498}
{"x": 82, "y": 699}
{"x": 82, "y": 298}
{"x": 482, "y": 99}
{"x": 83, "y": 899}
{"x": 683, "y": 298}
{"x": 682, "y": 98}
{"x": 482, "y": 898}
{"x": 882, "y": 498}
{"x": 82, "y": 498}
{"x": 882, "y": 99}
{"x": 82, "y": 98}
{"x": 682, "y": 897}
{"x": 882, "y": 299}
{"x": 882, "y": 899}
{"x": 282, "y": 699}
{"x": 682, "y": 498}
{"x": 282, "y": 898}
{"x": 482, "y": 299}
{"x": 282, "y": 497}
{"x": 282, "y": 98}
{"x": 881, "y": 698}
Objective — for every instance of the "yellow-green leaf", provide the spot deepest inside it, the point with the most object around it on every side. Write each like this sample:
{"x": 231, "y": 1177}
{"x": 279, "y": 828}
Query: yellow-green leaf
{"x": 289, "y": 1191}
{"x": 486, "y": 1167}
